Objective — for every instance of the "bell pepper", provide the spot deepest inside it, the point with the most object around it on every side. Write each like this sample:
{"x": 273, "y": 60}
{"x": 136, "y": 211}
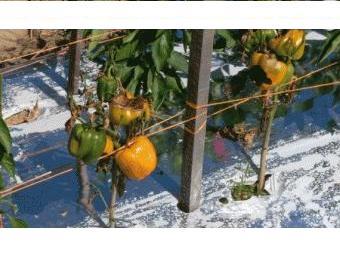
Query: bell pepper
{"x": 277, "y": 71}
{"x": 291, "y": 45}
{"x": 86, "y": 143}
{"x": 124, "y": 109}
{"x": 106, "y": 88}
{"x": 138, "y": 159}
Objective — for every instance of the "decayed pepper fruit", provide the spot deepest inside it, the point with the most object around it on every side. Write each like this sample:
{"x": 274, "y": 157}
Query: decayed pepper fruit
{"x": 277, "y": 71}
{"x": 138, "y": 159}
{"x": 124, "y": 109}
{"x": 106, "y": 88}
{"x": 291, "y": 45}
{"x": 87, "y": 143}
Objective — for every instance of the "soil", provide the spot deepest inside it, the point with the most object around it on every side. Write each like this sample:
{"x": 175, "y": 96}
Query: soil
{"x": 16, "y": 42}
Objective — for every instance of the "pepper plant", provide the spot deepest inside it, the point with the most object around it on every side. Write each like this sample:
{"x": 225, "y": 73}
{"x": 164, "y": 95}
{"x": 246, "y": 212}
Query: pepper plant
{"x": 146, "y": 63}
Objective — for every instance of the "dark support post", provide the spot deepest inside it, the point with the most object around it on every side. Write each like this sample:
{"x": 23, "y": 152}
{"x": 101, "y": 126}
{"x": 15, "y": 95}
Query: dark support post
{"x": 74, "y": 64}
{"x": 194, "y": 134}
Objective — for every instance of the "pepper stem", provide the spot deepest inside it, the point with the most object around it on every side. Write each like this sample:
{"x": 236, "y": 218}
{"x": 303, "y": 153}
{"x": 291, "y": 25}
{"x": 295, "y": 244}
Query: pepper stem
{"x": 268, "y": 114}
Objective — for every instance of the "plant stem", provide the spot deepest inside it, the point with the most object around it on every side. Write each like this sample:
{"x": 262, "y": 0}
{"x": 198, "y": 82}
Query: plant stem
{"x": 85, "y": 199}
{"x": 1, "y": 221}
{"x": 269, "y": 114}
{"x": 112, "y": 208}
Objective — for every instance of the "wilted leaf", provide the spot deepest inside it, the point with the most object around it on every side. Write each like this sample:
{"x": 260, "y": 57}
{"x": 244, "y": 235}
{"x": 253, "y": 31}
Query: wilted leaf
{"x": 332, "y": 44}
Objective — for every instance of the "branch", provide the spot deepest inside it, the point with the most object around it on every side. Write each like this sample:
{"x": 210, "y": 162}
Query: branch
{"x": 112, "y": 208}
{"x": 85, "y": 198}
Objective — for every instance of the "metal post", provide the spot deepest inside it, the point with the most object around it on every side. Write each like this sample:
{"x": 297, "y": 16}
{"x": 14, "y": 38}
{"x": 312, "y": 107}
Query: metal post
{"x": 194, "y": 134}
{"x": 74, "y": 65}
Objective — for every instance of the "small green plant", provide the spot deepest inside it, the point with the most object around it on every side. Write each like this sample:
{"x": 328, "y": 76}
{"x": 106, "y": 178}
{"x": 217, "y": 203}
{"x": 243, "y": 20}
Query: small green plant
{"x": 241, "y": 190}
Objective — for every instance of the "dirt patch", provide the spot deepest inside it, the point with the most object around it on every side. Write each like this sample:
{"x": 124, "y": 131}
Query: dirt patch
{"x": 16, "y": 42}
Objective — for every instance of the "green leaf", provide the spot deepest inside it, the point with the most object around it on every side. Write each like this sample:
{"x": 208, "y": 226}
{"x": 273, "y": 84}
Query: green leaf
{"x": 332, "y": 44}
{"x": 130, "y": 36}
{"x": 303, "y": 106}
{"x": 158, "y": 88}
{"x": 123, "y": 72}
{"x": 6, "y": 160}
{"x": 138, "y": 72}
{"x": 5, "y": 137}
{"x": 161, "y": 49}
{"x": 172, "y": 84}
{"x": 178, "y": 61}
{"x": 16, "y": 222}
{"x": 94, "y": 42}
{"x": 126, "y": 50}
{"x": 229, "y": 41}
{"x": 132, "y": 86}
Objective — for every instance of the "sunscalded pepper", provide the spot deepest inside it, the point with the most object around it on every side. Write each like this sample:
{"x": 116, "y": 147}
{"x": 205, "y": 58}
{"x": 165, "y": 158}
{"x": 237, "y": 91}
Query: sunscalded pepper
{"x": 277, "y": 71}
{"x": 87, "y": 143}
{"x": 291, "y": 45}
{"x": 106, "y": 88}
{"x": 124, "y": 109}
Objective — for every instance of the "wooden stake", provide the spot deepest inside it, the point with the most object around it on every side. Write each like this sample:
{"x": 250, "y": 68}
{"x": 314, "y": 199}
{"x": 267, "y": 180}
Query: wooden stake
{"x": 269, "y": 114}
{"x": 194, "y": 135}
{"x": 74, "y": 64}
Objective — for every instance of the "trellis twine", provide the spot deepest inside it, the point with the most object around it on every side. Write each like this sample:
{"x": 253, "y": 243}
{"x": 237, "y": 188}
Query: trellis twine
{"x": 236, "y": 103}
